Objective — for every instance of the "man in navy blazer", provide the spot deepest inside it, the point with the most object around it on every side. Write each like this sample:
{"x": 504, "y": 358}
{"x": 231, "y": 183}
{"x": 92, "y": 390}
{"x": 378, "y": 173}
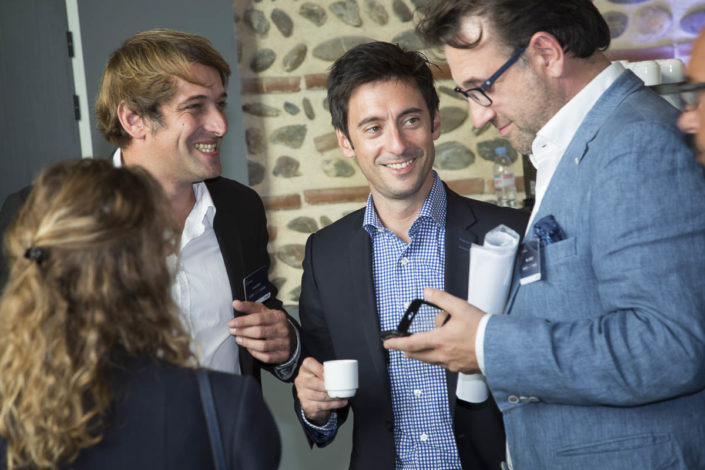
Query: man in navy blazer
{"x": 361, "y": 271}
{"x": 162, "y": 102}
{"x": 599, "y": 361}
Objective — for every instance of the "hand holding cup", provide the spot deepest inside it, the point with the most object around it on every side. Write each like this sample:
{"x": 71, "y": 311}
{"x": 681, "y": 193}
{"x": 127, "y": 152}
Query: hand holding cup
{"x": 311, "y": 391}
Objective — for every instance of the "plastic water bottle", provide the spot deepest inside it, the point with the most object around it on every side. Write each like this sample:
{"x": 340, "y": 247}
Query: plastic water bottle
{"x": 504, "y": 185}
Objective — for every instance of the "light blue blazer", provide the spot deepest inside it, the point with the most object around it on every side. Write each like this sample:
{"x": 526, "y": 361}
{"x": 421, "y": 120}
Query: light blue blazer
{"x": 601, "y": 365}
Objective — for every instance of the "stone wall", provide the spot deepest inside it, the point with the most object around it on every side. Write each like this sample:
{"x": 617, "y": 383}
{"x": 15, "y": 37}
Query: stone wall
{"x": 285, "y": 48}
{"x": 653, "y": 29}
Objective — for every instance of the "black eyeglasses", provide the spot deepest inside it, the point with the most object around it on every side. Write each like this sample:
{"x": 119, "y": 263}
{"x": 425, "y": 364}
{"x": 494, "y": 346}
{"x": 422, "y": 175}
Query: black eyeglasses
{"x": 403, "y": 328}
{"x": 478, "y": 94}
{"x": 688, "y": 91}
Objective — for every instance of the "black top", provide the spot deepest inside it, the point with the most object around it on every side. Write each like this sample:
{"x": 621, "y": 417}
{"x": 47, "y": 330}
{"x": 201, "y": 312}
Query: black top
{"x": 157, "y": 422}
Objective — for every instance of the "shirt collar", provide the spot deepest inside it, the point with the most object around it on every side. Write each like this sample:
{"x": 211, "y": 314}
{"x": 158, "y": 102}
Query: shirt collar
{"x": 555, "y": 136}
{"x": 434, "y": 208}
{"x": 201, "y": 216}
{"x": 117, "y": 158}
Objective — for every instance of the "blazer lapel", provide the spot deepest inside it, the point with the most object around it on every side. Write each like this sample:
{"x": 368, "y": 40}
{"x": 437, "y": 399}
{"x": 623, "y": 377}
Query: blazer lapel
{"x": 365, "y": 310}
{"x": 460, "y": 235}
{"x": 229, "y": 242}
{"x": 562, "y": 180}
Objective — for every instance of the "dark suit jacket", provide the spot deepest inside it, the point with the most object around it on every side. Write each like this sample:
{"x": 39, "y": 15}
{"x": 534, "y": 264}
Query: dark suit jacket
{"x": 339, "y": 320}
{"x": 157, "y": 422}
{"x": 240, "y": 226}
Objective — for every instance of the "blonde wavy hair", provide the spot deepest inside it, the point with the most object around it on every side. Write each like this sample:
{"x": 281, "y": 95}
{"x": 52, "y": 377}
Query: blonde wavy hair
{"x": 88, "y": 278}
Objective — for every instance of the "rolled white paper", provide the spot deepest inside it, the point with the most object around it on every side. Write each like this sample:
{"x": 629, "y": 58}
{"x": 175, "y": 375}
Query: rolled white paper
{"x": 491, "y": 267}
{"x": 472, "y": 388}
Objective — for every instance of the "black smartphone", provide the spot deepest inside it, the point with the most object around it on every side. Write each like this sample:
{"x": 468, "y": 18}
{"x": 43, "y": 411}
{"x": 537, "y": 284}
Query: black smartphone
{"x": 403, "y": 328}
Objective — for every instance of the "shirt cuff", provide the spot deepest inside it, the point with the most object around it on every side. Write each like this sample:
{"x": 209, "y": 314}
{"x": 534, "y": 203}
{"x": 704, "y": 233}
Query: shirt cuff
{"x": 480, "y": 342}
{"x": 286, "y": 370}
{"x": 322, "y": 434}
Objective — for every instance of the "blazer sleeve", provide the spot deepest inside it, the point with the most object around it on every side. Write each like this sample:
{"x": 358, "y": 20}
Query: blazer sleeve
{"x": 315, "y": 336}
{"x": 263, "y": 236}
{"x": 645, "y": 232}
{"x": 241, "y": 228}
{"x": 273, "y": 302}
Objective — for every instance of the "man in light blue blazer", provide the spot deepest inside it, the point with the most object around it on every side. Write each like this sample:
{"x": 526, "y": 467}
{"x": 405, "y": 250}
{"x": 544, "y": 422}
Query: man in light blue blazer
{"x": 599, "y": 361}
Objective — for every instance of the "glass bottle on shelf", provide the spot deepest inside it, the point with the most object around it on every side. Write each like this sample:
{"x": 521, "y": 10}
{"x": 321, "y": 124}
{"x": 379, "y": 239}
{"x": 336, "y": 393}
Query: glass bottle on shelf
{"x": 504, "y": 183}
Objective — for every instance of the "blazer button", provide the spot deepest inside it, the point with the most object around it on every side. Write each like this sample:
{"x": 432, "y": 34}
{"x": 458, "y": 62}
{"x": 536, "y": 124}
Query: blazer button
{"x": 389, "y": 425}
{"x": 513, "y": 399}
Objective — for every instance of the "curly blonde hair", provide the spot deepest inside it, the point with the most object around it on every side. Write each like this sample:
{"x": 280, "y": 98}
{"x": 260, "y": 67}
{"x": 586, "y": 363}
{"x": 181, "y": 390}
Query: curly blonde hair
{"x": 88, "y": 277}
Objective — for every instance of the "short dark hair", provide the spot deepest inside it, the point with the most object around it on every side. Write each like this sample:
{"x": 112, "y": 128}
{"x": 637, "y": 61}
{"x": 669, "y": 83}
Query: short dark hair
{"x": 576, "y": 24}
{"x": 372, "y": 62}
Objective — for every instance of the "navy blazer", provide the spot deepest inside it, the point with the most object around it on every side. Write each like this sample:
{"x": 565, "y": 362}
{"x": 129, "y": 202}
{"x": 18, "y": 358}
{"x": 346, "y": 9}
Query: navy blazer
{"x": 156, "y": 421}
{"x": 240, "y": 225}
{"x": 339, "y": 320}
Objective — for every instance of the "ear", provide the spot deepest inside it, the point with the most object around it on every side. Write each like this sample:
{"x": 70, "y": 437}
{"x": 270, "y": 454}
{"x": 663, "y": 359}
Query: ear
{"x": 134, "y": 124}
{"x": 546, "y": 54}
{"x": 345, "y": 144}
{"x": 436, "y": 124}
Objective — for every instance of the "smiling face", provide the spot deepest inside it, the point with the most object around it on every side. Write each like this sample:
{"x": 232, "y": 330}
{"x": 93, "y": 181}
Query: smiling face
{"x": 391, "y": 137}
{"x": 522, "y": 102}
{"x": 185, "y": 146}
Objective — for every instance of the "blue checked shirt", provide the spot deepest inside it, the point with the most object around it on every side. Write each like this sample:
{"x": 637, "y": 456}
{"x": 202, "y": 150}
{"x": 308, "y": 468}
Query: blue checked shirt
{"x": 423, "y": 426}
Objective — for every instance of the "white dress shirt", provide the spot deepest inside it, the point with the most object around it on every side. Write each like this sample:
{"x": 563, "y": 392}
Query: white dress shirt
{"x": 548, "y": 148}
{"x": 201, "y": 288}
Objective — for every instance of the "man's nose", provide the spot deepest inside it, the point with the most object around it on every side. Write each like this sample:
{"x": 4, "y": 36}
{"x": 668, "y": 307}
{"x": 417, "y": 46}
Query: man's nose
{"x": 395, "y": 141}
{"x": 480, "y": 115}
{"x": 217, "y": 122}
{"x": 688, "y": 122}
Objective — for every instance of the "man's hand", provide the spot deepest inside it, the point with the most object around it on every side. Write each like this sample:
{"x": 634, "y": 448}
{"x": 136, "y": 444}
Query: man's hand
{"x": 450, "y": 345}
{"x": 266, "y": 333}
{"x": 312, "y": 394}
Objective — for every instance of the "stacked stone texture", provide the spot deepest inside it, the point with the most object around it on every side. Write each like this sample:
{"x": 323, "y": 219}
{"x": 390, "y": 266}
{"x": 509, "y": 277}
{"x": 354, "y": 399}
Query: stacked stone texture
{"x": 285, "y": 50}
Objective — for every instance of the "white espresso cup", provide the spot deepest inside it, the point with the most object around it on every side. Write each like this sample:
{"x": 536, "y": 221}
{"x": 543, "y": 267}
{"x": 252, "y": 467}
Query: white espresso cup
{"x": 340, "y": 378}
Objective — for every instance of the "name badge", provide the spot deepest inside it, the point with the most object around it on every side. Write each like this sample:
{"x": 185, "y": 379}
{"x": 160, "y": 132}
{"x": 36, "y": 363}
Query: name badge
{"x": 530, "y": 262}
{"x": 256, "y": 285}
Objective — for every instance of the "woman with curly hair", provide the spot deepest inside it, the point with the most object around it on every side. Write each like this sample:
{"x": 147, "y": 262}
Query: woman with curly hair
{"x": 96, "y": 370}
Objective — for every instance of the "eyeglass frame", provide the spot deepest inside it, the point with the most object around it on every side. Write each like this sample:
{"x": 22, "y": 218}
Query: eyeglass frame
{"x": 490, "y": 81}
{"x": 403, "y": 328}
{"x": 678, "y": 88}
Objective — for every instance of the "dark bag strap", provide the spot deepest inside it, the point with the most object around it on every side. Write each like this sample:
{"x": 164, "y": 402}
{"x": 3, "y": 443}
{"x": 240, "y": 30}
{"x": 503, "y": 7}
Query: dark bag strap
{"x": 204, "y": 386}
